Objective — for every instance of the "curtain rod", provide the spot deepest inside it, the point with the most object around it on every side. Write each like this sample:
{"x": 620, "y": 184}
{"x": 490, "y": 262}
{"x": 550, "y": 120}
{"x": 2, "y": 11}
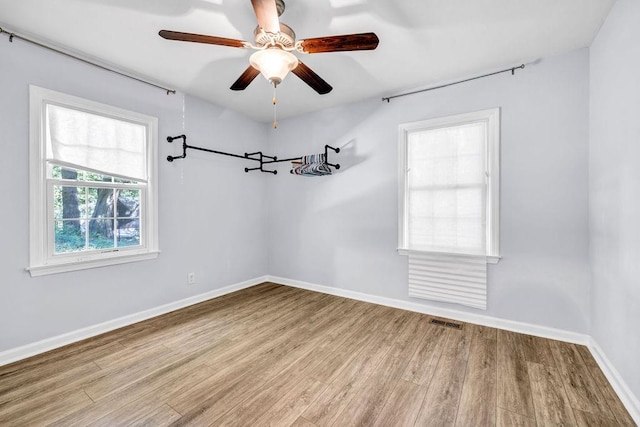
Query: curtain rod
{"x": 512, "y": 69}
{"x": 86, "y": 61}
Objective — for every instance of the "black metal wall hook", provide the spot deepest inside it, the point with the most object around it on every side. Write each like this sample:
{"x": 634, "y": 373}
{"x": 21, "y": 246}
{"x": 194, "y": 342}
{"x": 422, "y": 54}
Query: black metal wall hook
{"x": 260, "y": 158}
{"x": 326, "y": 156}
{"x": 184, "y": 147}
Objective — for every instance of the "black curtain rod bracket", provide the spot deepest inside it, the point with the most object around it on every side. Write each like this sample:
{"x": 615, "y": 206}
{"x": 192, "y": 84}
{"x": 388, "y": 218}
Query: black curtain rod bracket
{"x": 257, "y": 156}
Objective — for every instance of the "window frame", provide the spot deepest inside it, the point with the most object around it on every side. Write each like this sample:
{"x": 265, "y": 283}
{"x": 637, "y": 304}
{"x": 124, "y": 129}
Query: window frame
{"x": 42, "y": 257}
{"x": 492, "y": 205}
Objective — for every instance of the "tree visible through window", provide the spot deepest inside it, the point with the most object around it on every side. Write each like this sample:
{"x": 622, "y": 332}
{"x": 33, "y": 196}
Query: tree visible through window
{"x": 88, "y": 217}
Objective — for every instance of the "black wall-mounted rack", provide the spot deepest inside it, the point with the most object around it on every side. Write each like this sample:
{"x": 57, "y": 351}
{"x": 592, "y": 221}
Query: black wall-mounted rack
{"x": 258, "y": 156}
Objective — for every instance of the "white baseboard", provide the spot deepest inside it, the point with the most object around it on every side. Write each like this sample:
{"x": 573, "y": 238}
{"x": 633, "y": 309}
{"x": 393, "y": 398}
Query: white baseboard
{"x": 478, "y": 319}
{"x": 19, "y": 353}
{"x": 625, "y": 394}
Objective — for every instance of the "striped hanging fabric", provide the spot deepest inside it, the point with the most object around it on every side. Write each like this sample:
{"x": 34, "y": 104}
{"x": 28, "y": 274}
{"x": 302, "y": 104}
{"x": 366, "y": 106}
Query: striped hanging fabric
{"x": 311, "y": 165}
{"x": 459, "y": 279}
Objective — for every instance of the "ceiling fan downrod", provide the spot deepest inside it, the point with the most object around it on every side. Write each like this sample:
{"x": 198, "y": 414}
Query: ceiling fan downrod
{"x": 274, "y": 101}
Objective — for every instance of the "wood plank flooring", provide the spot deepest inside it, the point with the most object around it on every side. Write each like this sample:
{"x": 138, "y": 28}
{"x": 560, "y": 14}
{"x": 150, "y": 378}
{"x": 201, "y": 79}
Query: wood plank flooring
{"x": 274, "y": 355}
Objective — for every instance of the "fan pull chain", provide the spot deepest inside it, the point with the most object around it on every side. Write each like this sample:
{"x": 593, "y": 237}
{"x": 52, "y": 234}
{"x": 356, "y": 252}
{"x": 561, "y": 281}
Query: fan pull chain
{"x": 274, "y": 101}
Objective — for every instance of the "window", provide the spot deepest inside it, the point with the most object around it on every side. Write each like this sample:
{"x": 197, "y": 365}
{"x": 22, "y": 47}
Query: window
{"x": 449, "y": 177}
{"x": 92, "y": 189}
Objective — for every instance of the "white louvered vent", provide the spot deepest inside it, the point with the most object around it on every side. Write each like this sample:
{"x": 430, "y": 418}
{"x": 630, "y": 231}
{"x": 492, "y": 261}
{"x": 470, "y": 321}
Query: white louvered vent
{"x": 459, "y": 279}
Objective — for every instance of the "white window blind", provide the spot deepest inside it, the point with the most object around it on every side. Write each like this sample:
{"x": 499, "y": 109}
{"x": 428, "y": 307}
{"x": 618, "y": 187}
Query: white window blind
{"x": 446, "y": 189}
{"x": 460, "y": 279}
{"x": 95, "y": 142}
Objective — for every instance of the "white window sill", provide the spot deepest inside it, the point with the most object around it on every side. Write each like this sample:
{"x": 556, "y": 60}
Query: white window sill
{"x": 491, "y": 259}
{"x": 73, "y": 265}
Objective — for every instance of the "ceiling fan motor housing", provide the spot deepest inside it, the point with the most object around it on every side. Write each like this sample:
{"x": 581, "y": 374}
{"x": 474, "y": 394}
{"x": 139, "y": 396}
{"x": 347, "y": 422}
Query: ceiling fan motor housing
{"x": 286, "y": 37}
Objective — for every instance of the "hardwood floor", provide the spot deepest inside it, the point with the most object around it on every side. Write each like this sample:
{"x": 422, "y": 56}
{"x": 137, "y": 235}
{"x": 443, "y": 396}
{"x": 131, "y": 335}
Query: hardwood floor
{"x": 274, "y": 355}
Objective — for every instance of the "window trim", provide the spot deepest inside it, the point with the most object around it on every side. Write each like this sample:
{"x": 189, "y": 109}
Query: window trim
{"x": 492, "y": 118}
{"x": 41, "y": 259}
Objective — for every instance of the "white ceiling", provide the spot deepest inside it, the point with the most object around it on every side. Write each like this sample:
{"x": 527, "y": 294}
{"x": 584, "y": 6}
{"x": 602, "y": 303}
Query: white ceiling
{"x": 422, "y": 42}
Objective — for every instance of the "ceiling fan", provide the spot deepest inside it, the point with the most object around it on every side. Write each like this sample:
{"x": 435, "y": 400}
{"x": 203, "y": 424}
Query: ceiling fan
{"x": 274, "y": 44}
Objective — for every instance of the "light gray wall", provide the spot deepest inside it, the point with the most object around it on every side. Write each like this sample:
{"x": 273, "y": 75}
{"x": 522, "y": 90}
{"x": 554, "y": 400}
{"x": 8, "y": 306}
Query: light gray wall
{"x": 211, "y": 217}
{"x": 614, "y": 196}
{"x": 341, "y": 231}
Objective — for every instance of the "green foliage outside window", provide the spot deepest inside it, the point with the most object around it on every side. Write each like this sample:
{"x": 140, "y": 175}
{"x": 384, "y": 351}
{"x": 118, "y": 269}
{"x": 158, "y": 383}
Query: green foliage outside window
{"x": 92, "y": 217}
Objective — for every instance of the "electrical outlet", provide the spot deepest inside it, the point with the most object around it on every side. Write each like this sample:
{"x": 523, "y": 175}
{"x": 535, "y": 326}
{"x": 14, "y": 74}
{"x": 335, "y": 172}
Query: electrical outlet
{"x": 191, "y": 278}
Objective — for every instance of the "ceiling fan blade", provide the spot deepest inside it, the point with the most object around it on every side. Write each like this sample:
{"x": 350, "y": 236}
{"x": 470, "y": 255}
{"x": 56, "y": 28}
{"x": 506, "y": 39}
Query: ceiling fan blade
{"x": 307, "y": 75}
{"x": 201, "y": 38}
{"x": 347, "y": 42}
{"x": 267, "y": 15}
{"x": 245, "y": 79}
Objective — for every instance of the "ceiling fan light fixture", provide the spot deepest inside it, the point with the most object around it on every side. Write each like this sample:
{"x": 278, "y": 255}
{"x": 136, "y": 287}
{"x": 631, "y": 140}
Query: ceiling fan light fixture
{"x": 274, "y": 63}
